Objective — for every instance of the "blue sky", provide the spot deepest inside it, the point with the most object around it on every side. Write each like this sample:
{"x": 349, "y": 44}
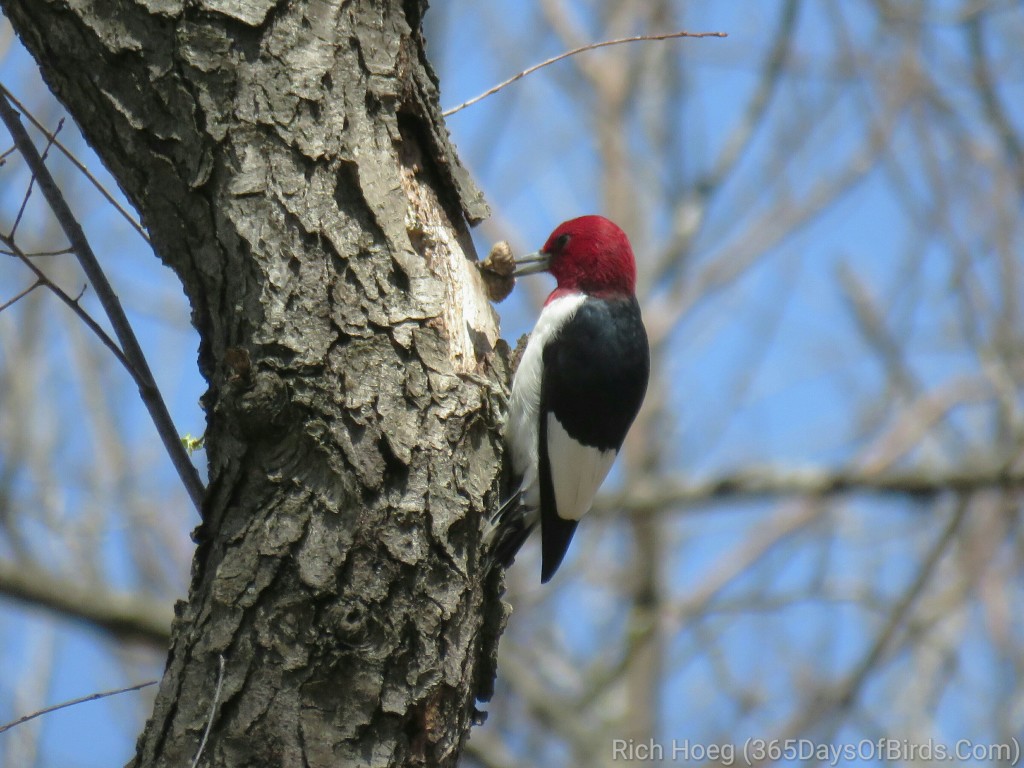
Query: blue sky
{"x": 770, "y": 368}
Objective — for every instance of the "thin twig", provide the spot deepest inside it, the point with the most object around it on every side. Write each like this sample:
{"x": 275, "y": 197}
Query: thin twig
{"x": 854, "y": 683}
{"x": 213, "y": 710}
{"x": 573, "y": 52}
{"x": 73, "y": 702}
{"x": 21, "y": 295}
{"x": 75, "y": 162}
{"x": 737, "y": 143}
{"x": 32, "y": 182}
{"x": 148, "y": 390}
{"x": 986, "y": 88}
{"x": 73, "y": 304}
{"x": 38, "y": 254}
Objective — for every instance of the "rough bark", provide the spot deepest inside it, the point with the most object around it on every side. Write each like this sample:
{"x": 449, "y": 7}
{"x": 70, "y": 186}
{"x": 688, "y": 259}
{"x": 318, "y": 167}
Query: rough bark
{"x": 291, "y": 165}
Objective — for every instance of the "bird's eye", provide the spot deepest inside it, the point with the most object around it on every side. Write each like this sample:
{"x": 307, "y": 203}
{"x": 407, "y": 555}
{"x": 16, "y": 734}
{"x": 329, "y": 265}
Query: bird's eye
{"x": 562, "y": 241}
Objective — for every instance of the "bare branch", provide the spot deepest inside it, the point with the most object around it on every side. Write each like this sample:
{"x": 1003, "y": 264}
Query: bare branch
{"x": 111, "y": 304}
{"x": 663, "y": 495}
{"x": 74, "y": 161}
{"x": 994, "y": 110}
{"x": 213, "y": 710}
{"x": 38, "y": 254}
{"x": 832, "y": 700}
{"x": 31, "y": 184}
{"x": 757, "y": 108}
{"x": 573, "y": 52}
{"x": 21, "y": 295}
{"x": 853, "y": 684}
{"x": 72, "y": 303}
{"x": 126, "y": 616}
{"x": 73, "y": 702}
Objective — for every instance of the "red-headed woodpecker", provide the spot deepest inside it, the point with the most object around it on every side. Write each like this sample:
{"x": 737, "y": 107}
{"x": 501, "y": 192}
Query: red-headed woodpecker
{"x": 577, "y": 390}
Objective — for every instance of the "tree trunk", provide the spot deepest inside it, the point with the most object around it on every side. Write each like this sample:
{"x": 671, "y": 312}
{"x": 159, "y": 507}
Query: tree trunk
{"x": 292, "y": 167}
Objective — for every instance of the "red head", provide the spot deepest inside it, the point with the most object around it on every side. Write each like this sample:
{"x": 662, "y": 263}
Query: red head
{"x": 588, "y": 254}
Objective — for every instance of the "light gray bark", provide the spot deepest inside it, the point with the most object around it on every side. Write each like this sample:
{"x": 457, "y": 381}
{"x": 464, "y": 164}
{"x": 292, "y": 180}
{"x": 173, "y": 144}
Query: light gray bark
{"x": 291, "y": 165}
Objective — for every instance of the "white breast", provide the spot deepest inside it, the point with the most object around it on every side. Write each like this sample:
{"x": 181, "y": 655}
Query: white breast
{"x": 524, "y": 404}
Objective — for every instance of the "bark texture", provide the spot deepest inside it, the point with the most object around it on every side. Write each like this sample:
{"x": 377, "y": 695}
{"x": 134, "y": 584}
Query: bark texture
{"x": 291, "y": 165}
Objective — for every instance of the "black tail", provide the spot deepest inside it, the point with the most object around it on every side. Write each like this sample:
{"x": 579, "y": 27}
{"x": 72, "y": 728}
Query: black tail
{"x": 506, "y": 531}
{"x": 556, "y": 534}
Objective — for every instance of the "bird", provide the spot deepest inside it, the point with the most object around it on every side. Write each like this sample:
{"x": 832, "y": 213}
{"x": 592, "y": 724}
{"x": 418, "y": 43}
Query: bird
{"x": 577, "y": 390}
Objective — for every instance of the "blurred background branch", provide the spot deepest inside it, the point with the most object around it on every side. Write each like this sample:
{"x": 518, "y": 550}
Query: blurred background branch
{"x": 814, "y": 530}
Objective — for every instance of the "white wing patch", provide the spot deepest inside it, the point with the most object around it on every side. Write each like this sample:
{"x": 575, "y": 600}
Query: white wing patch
{"x": 523, "y": 428}
{"x": 577, "y": 471}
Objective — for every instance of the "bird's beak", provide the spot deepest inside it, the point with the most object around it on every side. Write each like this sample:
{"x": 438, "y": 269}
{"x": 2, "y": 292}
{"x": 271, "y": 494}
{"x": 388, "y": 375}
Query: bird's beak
{"x": 532, "y": 263}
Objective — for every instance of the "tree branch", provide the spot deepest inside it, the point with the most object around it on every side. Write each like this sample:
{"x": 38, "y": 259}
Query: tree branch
{"x": 126, "y": 616}
{"x": 22, "y": 294}
{"x": 663, "y": 495}
{"x": 52, "y": 138}
{"x": 73, "y": 702}
{"x": 993, "y": 106}
{"x": 573, "y": 52}
{"x": 111, "y": 304}
{"x": 72, "y": 302}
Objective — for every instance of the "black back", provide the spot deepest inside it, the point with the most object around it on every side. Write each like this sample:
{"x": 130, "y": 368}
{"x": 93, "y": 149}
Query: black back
{"x": 595, "y": 377}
